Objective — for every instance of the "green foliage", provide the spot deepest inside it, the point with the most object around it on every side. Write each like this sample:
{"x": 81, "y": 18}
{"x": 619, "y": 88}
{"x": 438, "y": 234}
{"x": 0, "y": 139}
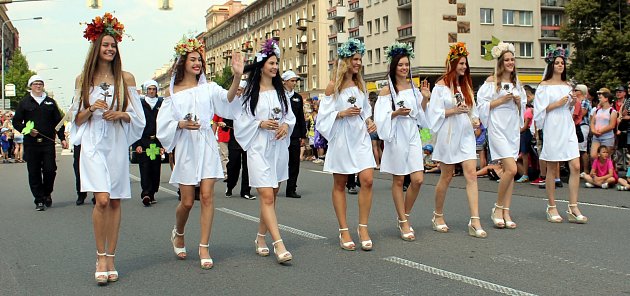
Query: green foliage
{"x": 224, "y": 79}
{"x": 18, "y": 74}
{"x": 599, "y": 30}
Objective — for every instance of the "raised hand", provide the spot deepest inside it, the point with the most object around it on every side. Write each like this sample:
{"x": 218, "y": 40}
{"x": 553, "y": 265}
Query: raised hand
{"x": 237, "y": 64}
{"x": 425, "y": 88}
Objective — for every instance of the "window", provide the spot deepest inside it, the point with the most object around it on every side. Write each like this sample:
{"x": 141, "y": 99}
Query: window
{"x": 369, "y": 56}
{"x": 369, "y": 2}
{"x": 284, "y": 65}
{"x": 290, "y": 42}
{"x": 303, "y": 13}
{"x": 526, "y": 49}
{"x": 483, "y": 49}
{"x": 314, "y": 82}
{"x": 314, "y": 58}
{"x": 508, "y": 17}
{"x": 377, "y": 53}
{"x": 314, "y": 35}
{"x": 313, "y": 11}
{"x": 377, "y": 25}
{"x": 352, "y": 23}
{"x": 487, "y": 16}
{"x": 297, "y": 62}
{"x": 283, "y": 43}
{"x": 277, "y": 25}
{"x": 385, "y": 23}
{"x": 552, "y": 20}
{"x": 369, "y": 25}
{"x": 525, "y": 18}
{"x": 330, "y": 55}
{"x": 290, "y": 20}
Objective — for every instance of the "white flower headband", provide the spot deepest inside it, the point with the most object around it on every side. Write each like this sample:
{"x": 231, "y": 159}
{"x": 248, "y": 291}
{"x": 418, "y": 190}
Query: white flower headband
{"x": 269, "y": 47}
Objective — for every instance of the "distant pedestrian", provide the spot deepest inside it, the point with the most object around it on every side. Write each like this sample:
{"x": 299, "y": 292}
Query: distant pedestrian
{"x": 298, "y": 136}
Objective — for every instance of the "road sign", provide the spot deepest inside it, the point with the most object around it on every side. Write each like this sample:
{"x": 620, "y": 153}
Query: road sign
{"x": 6, "y": 104}
{"x": 9, "y": 90}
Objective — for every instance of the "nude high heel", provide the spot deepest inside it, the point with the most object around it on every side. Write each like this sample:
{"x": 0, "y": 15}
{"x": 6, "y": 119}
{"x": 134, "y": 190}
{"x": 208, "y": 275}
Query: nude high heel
{"x": 206, "y": 263}
{"x": 100, "y": 276}
{"x": 553, "y": 218}
{"x": 178, "y": 251}
{"x": 260, "y": 251}
{"x": 472, "y": 231}
{"x": 439, "y": 227}
{"x": 498, "y": 223}
{"x": 112, "y": 275}
{"x": 348, "y": 246}
{"x": 282, "y": 257}
{"x": 579, "y": 219}
{"x": 409, "y": 236}
{"x": 366, "y": 245}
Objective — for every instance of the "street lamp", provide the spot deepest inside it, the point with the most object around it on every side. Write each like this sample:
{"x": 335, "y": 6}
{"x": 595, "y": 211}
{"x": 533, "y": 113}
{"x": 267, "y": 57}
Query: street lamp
{"x": 41, "y": 50}
{"x": 2, "y": 31}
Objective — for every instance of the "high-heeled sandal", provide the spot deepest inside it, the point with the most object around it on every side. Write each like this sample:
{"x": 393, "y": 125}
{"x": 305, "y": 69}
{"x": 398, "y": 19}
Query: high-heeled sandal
{"x": 178, "y": 251}
{"x": 579, "y": 219}
{"x": 410, "y": 228}
{"x": 206, "y": 263}
{"x": 366, "y": 245}
{"x": 472, "y": 231}
{"x": 409, "y": 236}
{"x": 553, "y": 218}
{"x": 443, "y": 228}
{"x": 498, "y": 223}
{"x": 282, "y": 257}
{"x": 348, "y": 246}
{"x": 260, "y": 251}
{"x": 100, "y": 276}
{"x": 112, "y": 275}
{"x": 509, "y": 224}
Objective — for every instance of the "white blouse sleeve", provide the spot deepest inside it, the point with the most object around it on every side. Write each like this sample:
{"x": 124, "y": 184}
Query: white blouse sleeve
{"x": 383, "y": 118}
{"x": 327, "y": 117}
{"x": 541, "y": 102}
{"x": 223, "y": 108}
{"x": 523, "y": 106}
{"x": 484, "y": 98}
{"x": 247, "y": 127}
{"x": 436, "y": 112}
{"x": 167, "y": 121}
{"x": 135, "y": 127}
{"x": 76, "y": 132}
{"x": 366, "y": 109}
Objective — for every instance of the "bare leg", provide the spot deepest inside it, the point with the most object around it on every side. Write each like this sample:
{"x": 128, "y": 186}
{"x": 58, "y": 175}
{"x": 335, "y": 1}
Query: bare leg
{"x": 100, "y": 223}
{"x": 506, "y": 185}
{"x": 340, "y": 203}
{"x": 552, "y": 172}
{"x": 206, "y": 198}
{"x": 365, "y": 201}
{"x": 446, "y": 175}
{"x": 182, "y": 212}
{"x": 574, "y": 184}
{"x": 469, "y": 167}
{"x": 267, "y": 208}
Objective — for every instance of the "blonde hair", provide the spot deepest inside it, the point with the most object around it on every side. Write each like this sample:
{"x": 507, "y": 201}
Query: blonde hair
{"x": 339, "y": 73}
{"x": 87, "y": 77}
{"x": 500, "y": 68}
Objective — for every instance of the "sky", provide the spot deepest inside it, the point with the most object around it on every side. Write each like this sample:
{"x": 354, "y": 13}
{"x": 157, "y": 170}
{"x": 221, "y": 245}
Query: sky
{"x": 155, "y": 32}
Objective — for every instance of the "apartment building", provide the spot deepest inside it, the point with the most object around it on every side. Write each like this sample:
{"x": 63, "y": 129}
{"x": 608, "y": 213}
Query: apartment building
{"x": 431, "y": 26}
{"x": 299, "y": 26}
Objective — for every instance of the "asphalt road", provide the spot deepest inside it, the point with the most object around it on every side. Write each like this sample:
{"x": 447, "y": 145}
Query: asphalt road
{"x": 52, "y": 252}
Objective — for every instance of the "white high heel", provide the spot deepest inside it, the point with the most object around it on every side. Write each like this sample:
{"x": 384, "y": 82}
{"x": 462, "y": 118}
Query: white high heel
{"x": 439, "y": 227}
{"x": 112, "y": 275}
{"x": 509, "y": 224}
{"x": 178, "y": 251}
{"x": 348, "y": 246}
{"x": 498, "y": 223}
{"x": 100, "y": 276}
{"x": 553, "y": 218}
{"x": 472, "y": 231}
{"x": 366, "y": 245}
{"x": 579, "y": 219}
{"x": 409, "y": 236}
{"x": 260, "y": 251}
{"x": 206, "y": 263}
{"x": 282, "y": 257}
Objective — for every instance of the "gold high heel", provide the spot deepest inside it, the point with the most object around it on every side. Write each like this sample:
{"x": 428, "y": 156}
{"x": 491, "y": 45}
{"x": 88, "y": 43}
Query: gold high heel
{"x": 260, "y": 251}
{"x": 498, "y": 223}
{"x": 100, "y": 276}
{"x": 348, "y": 246}
{"x": 282, "y": 257}
{"x": 112, "y": 275}
{"x": 409, "y": 236}
{"x": 509, "y": 224}
{"x": 553, "y": 218}
{"x": 439, "y": 227}
{"x": 366, "y": 245}
{"x": 579, "y": 219}
{"x": 472, "y": 231}
{"x": 206, "y": 263}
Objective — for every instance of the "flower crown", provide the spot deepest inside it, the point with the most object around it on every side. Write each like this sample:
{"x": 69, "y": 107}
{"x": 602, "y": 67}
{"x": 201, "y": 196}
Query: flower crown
{"x": 187, "y": 45}
{"x": 495, "y": 48}
{"x": 404, "y": 49}
{"x": 457, "y": 50}
{"x": 107, "y": 24}
{"x": 350, "y": 47}
{"x": 268, "y": 48}
{"x": 552, "y": 53}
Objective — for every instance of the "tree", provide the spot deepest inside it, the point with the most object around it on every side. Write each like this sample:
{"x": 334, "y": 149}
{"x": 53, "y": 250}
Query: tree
{"x": 599, "y": 30}
{"x": 224, "y": 79}
{"x": 18, "y": 74}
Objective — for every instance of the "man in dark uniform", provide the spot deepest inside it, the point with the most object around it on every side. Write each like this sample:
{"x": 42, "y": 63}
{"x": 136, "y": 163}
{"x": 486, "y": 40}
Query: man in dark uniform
{"x": 148, "y": 149}
{"x": 39, "y": 143}
{"x": 236, "y": 157}
{"x": 298, "y": 136}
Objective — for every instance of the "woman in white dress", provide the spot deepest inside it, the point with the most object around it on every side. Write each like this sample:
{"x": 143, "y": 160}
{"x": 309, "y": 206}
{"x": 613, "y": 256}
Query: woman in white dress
{"x": 501, "y": 110}
{"x": 264, "y": 130}
{"x": 552, "y": 112}
{"x": 453, "y": 116}
{"x": 398, "y": 112}
{"x": 106, "y": 119}
{"x": 344, "y": 121}
{"x": 184, "y": 122}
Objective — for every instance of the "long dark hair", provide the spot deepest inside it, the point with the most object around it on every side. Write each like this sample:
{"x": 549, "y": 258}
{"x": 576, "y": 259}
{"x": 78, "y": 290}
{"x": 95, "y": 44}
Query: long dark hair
{"x": 549, "y": 69}
{"x": 252, "y": 91}
{"x": 180, "y": 64}
{"x": 392, "y": 75}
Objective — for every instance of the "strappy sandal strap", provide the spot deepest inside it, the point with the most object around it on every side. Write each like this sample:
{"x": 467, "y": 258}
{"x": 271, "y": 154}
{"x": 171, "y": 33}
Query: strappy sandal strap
{"x": 110, "y": 255}
{"x": 438, "y": 215}
{"x": 498, "y": 206}
{"x": 402, "y": 221}
{"x": 474, "y": 217}
{"x": 261, "y": 235}
{"x": 101, "y": 254}
{"x": 276, "y": 242}
{"x": 343, "y": 229}
{"x": 204, "y": 246}
{"x": 363, "y": 225}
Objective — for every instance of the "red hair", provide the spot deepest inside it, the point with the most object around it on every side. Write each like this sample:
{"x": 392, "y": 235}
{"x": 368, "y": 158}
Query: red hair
{"x": 464, "y": 82}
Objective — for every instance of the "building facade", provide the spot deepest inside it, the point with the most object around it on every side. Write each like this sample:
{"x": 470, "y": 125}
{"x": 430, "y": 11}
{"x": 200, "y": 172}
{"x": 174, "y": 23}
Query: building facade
{"x": 299, "y": 26}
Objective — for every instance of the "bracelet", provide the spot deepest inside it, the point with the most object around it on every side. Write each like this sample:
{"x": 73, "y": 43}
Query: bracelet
{"x": 260, "y": 125}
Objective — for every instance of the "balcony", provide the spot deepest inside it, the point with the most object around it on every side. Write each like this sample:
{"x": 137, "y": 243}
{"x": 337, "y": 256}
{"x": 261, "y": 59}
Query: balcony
{"x": 227, "y": 54}
{"x": 301, "y": 24}
{"x": 548, "y": 33}
{"x": 404, "y": 4}
{"x": 211, "y": 61}
{"x": 302, "y": 47}
{"x": 357, "y": 32}
{"x": 267, "y": 35}
{"x": 355, "y": 5}
{"x": 302, "y": 70}
{"x": 405, "y": 32}
{"x": 247, "y": 46}
{"x": 552, "y": 4}
{"x": 275, "y": 34}
{"x": 337, "y": 38}
{"x": 337, "y": 12}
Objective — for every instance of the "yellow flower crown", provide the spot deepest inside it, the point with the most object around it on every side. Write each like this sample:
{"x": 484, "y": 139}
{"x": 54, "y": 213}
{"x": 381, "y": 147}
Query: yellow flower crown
{"x": 187, "y": 45}
{"x": 457, "y": 51}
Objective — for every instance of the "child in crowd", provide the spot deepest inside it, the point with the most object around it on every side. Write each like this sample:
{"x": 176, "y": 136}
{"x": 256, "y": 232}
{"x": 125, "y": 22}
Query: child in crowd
{"x": 482, "y": 143}
{"x": 430, "y": 166}
{"x": 4, "y": 140}
{"x": 603, "y": 172}
{"x": 624, "y": 184}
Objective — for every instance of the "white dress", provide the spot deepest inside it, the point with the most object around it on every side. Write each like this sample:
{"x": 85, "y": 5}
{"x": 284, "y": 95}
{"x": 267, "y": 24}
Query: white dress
{"x": 504, "y": 122}
{"x": 455, "y": 136}
{"x": 104, "y": 162}
{"x": 267, "y": 158}
{"x": 559, "y": 138}
{"x": 197, "y": 154}
{"x": 349, "y": 144}
{"x": 402, "y": 153}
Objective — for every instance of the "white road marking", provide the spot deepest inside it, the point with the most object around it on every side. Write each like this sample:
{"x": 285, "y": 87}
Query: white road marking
{"x": 320, "y": 172}
{"x": 589, "y": 204}
{"x": 282, "y": 227}
{"x": 161, "y": 187}
{"x": 458, "y": 277}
